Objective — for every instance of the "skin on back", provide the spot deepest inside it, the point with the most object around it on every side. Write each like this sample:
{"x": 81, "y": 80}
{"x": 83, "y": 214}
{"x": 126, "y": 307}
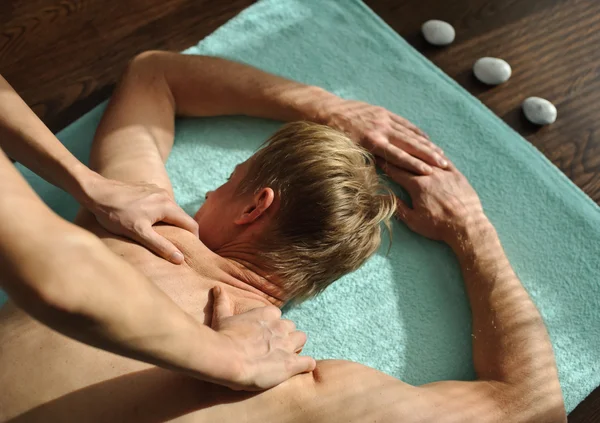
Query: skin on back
{"x": 45, "y": 376}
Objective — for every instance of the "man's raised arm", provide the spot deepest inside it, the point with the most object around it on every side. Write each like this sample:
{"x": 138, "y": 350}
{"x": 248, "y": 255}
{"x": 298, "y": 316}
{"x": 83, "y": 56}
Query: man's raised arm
{"x": 511, "y": 349}
{"x": 211, "y": 86}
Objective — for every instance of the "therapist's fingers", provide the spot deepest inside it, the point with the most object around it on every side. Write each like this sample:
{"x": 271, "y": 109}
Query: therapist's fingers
{"x": 222, "y": 307}
{"x": 175, "y": 215}
{"x": 297, "y": 340}
{"x": 158, "y": 244}
{"x": 301, "y": 364}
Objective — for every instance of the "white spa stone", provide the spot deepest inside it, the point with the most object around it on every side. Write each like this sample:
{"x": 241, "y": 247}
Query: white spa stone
{"x": 539, "y": 111}
{"x": 438, "y": 33}
{"x": 492, "y": 71}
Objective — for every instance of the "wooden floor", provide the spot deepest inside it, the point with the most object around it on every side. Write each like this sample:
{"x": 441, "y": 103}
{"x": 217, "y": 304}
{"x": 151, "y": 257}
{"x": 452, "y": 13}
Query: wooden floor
{"x": 64, "y": 56}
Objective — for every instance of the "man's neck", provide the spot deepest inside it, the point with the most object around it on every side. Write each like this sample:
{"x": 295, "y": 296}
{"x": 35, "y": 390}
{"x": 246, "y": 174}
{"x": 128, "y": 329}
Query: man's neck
{"x": 234, "y": 265}
{"x": 242, "y": 271}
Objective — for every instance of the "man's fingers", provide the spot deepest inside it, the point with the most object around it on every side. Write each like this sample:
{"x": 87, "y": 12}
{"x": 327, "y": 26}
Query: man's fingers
{"x": 176, "y": 216}
{"x": 420, "y": 132}
{"x": 419, "y": 150}
{"x": 401, "y": 159}
{"x": 401, "y": 177}
{"x": 409, "y": 125}
{"x": 418, "y": 146}
{"x": 406, "y": 123}
{"x": 427, "y": 142}
{"x": 403, "y": 212}
{"x": 451, "y": 166}
{"x": 158, "y": 244}
{"x": 425, "y": 138}
{"x": 301, "y": 364}
{"x": 221, "y": 306}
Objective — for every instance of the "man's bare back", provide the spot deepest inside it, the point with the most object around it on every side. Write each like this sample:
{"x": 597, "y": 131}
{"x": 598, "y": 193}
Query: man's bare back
{"x": 48, "y": 377}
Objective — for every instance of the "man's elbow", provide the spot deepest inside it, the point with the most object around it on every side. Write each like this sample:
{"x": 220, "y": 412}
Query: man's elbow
{"x": 143, "y": 64}
{"x": 149, "y": 56}
{"x": 149, "y": 69}
{"x": 559, "y": 414}
{"x": 552, "y": 414}
{"x": 541, "y": 404}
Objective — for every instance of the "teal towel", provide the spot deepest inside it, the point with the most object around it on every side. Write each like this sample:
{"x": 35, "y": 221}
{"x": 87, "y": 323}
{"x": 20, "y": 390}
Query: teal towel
{"x": 405, "y": 314}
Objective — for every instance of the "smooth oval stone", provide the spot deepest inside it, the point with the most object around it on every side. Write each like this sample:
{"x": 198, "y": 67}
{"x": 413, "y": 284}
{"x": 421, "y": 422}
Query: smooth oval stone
{"x": 438, "y": 33}
{"x": 492, "y": 71}
{"x": 539, "y": 111}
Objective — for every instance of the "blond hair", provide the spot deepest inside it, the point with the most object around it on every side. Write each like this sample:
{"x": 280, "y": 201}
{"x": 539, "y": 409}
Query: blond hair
{"x": 332, "y": 204}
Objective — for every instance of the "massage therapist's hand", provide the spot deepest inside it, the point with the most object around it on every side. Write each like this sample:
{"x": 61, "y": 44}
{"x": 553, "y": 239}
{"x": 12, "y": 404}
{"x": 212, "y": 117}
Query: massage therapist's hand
{"x": 442, "y": 203}
{"x": 385, "y": 134}
{"x": 262, "y": 347}
{"x": 130, "y": 210}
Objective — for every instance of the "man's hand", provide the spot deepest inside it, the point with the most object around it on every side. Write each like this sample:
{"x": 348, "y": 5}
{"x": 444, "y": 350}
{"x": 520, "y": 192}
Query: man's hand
{"x": 131, "y": 209}
{"x": 386, "y": 135}
{"x": 442, "y": 201}
{"x": 265, "y": 345}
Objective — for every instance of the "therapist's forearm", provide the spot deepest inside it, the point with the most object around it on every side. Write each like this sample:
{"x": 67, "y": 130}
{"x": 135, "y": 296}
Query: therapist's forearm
{"x": 72, "y": 283}
{"x": 25, "y": 138}
{"x": 69, "y": 280}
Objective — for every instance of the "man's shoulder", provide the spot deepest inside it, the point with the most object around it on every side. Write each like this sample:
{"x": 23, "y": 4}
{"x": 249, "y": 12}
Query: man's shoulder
{"x": 355, "y": 392}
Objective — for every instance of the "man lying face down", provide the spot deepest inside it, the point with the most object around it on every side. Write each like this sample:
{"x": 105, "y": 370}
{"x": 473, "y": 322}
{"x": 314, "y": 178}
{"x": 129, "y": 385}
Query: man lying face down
{"x": 304, "y": 210}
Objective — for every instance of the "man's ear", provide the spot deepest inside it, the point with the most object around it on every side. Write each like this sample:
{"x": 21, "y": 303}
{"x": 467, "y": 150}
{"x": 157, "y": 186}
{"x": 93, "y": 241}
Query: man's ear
{"x": 260, "y": 204}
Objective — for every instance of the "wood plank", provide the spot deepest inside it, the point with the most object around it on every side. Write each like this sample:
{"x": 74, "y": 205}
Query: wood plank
{"x": 75, "y": 50}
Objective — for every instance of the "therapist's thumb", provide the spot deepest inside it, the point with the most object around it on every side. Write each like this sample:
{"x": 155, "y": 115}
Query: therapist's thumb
{"x": 221, "y": 306}
{"x": 158, "y": 244}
